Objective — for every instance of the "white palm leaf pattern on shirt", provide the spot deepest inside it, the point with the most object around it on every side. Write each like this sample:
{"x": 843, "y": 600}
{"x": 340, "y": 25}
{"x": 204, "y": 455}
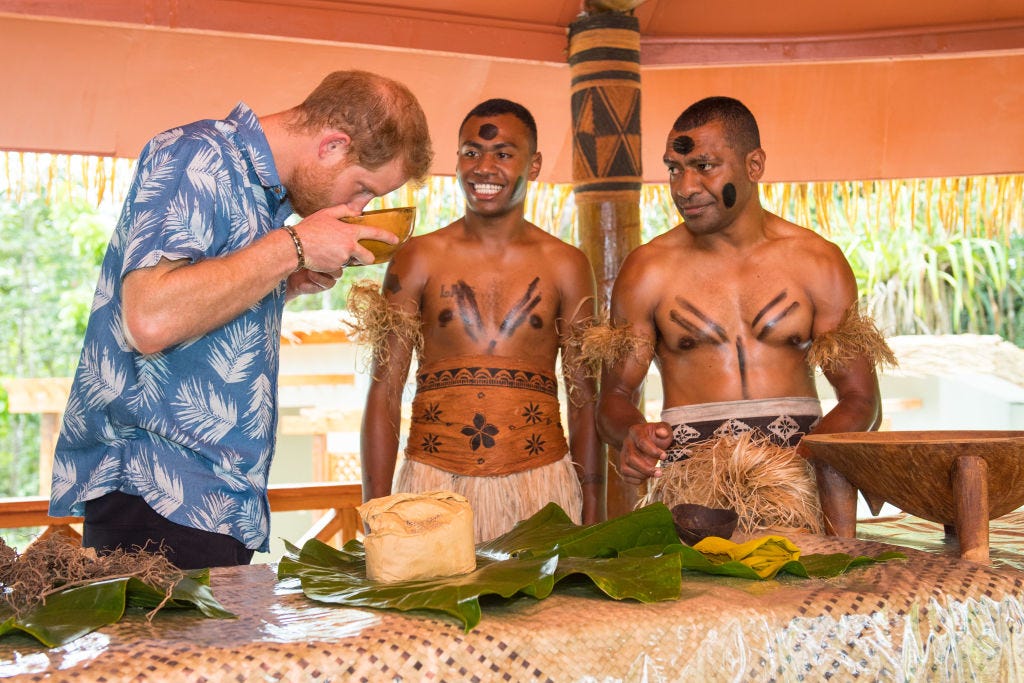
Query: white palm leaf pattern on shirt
{"x": 143, "y": 224}
{"x": 229, "y": 472}
{"x": 207, "y": 412}
{"x": 155, "y": 176}
{"x": 214, "y": 513}
{"x": 100, "y": 377}
{"x": 259, "y": 472}
{"x": 252, "y": 521}
{"x": 206, "y": 173}
{"x": 152, "y": 377}
{"x": 65, "y": 474}
{"x": 189, "y": 227}
{"x": 73, "y": 426}
{"x": 272, "y": 340}
{"x": 233, "y": 356}
{"x": 104, "y": 291}
{"x": 260, "y": 414}
{"x": 163, "y": 492}
{"x": 102, "y": 479}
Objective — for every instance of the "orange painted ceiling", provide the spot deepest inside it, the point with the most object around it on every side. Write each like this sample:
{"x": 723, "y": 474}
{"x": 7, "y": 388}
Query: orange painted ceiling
{"x": 871, "y": 89}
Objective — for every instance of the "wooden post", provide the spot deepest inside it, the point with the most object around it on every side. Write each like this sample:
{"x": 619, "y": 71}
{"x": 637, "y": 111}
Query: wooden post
{"x": 604, "y": 59}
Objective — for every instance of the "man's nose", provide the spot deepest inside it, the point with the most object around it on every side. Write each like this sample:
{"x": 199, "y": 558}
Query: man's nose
{"x": 484, "y": 164}
{"x": 687, "y": 183}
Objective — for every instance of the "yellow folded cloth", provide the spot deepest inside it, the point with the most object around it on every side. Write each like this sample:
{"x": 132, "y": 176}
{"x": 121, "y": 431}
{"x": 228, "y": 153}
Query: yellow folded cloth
{"x": 766, "y": 555}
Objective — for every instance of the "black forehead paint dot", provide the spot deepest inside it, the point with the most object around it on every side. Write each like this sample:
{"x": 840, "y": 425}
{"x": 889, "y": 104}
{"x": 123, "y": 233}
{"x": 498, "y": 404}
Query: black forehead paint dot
{"x": 536, "y": 322}
{"x": 488, "y": 131}
{"x": 729, "y": 195}
{"x": 683, "y": 144}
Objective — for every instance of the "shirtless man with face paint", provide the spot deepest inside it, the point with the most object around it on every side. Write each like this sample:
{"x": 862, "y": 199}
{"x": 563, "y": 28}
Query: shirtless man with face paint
{"x": 730, "y": 301}
{"x": 496, "y": 298}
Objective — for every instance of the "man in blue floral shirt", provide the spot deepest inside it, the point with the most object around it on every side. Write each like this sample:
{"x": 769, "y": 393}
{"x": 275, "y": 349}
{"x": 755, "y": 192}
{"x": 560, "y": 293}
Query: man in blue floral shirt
{"x": 170, "y": 427}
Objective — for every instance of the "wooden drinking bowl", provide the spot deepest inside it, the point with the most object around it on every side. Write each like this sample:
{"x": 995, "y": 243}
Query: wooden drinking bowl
{"x": 960, "y": 478}
{"x": 399, "y": 221}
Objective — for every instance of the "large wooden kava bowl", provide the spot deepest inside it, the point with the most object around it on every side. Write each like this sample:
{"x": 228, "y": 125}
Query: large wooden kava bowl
{"x": 399, "y": 221}
{"x": 960, "y": 479}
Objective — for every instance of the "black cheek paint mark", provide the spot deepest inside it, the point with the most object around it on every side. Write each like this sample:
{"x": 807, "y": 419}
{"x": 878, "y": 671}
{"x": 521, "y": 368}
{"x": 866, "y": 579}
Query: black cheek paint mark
{"x": 535, "y": 322}
{"x": 488, "y": 131}
{"x": 683, "y": 144}
{"x": 445, "y": 317}
{"x": 742, "y": 358}
{"x": 729, "y": 195}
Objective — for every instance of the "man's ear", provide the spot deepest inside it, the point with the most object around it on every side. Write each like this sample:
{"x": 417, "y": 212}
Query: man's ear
{"x": 755, "y": 164}
{"x": 334, "y": 143}
{"x": 535, "y": 163}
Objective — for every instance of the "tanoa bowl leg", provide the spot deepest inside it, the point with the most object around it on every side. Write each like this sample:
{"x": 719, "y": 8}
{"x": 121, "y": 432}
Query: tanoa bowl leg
{"x": 970, "y": 489}
{"x": 838, "y": 501}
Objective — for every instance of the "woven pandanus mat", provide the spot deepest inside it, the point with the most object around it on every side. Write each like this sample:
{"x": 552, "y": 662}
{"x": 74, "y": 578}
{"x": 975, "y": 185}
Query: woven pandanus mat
{"x": 929, "y": 618}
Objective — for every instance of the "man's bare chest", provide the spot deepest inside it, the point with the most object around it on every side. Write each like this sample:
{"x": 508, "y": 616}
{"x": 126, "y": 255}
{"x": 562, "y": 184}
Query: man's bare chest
{"x": 502, "y": 308}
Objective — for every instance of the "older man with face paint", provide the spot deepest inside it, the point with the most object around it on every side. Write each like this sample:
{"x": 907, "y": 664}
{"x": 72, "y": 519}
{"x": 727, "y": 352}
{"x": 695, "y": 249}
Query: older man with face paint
{"x": 729, "y": 303}
{"x": 496, "y": 299}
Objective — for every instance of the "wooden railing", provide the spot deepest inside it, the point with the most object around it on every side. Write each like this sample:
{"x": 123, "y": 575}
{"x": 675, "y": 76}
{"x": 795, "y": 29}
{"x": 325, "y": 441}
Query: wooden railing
{"x": 339, "y": 502}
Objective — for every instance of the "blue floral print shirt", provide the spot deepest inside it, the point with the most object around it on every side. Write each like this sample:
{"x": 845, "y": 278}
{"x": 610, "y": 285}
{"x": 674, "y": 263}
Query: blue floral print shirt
{"x": 191, "y": 429}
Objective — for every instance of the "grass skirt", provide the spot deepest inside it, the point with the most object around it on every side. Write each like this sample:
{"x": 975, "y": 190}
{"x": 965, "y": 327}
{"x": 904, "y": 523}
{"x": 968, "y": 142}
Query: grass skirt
{"x": 500, "y": 502}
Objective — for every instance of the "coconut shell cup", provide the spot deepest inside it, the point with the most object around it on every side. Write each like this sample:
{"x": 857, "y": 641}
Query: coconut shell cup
{"x": 694, "y": 522}
{"x": 399, "y": 221}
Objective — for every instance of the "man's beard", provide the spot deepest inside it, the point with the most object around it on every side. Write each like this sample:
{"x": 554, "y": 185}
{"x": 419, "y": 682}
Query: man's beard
{"x": 312, "y": 188}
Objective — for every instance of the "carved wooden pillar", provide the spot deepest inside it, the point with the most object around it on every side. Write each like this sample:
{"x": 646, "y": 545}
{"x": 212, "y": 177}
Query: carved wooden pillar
{"x": 604, "y": 59}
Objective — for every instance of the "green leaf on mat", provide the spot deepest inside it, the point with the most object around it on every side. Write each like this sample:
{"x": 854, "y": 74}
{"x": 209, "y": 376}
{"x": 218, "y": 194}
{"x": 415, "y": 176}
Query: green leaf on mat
{"x": 75, "y": 612}
{"x": 630, "y": 557}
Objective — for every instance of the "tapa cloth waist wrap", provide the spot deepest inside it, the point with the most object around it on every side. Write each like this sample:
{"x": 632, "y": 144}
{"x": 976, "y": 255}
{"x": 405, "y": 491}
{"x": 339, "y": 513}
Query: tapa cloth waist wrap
{"x": 485, "y": 416}
{"x": 783, "y": 420}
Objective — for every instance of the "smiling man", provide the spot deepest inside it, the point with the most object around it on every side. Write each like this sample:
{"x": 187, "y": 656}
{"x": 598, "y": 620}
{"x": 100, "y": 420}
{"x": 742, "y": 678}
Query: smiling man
{"x": 732, "y": 303}
{"x": 495, "y": 299}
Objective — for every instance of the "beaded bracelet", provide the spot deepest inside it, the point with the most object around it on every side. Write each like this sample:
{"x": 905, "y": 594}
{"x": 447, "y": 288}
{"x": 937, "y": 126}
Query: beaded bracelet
{"x": 298, "y": 247}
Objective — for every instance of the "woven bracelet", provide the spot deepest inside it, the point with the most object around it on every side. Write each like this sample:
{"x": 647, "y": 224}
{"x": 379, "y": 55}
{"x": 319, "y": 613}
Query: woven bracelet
{"x": 298, "y": 247}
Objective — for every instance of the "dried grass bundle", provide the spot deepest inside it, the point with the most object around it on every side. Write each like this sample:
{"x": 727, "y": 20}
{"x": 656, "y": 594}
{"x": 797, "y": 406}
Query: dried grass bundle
{"x": 855, "y": 336}
{"x": 769, "y": 486}
{"x": 606, "y": 344}
{"x": 375, "y": 322}
{"x": 57, "y": 562}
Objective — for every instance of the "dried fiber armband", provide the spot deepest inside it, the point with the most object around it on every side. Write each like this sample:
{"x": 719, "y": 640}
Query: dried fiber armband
{"x": 855, "y": 337}
{"x": 375, "y": 321}
{"x": 605, "y": 344}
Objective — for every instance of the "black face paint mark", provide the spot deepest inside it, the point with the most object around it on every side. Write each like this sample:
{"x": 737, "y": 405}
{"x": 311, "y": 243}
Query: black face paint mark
{"x": 488, "y": 131}
{"x": 468, "y": 309}
{"x": 445, "y": 317}
{"x": 682, "y": 144}
{"x": 391, "y": 283}
{"x": 742, "y": 358}
{"x": 519, "y": 313}
{"x": 729, "y": 195}
{"x": 535, "y": 322}
{"x": 709, "y": 329}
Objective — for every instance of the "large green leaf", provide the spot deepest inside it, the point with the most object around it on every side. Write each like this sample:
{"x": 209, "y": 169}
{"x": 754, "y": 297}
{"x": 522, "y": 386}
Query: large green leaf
{"x": 634, "y": 557}
{"x": 72, "y": 613}
{"x": 75, "y": 612}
